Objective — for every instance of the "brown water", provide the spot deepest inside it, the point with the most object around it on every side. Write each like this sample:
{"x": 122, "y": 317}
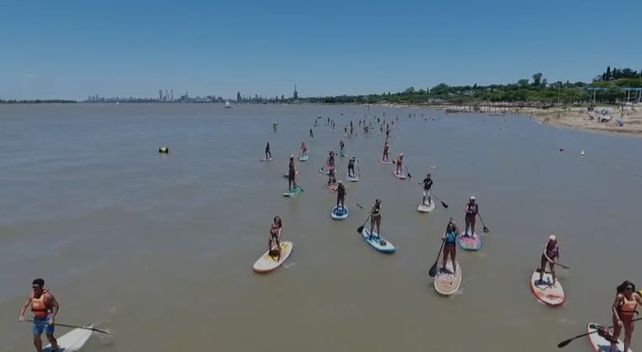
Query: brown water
{"x": 159, "y": 248}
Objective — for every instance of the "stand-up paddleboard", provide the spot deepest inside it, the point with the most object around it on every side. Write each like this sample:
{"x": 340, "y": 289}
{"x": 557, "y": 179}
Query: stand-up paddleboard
{"x": 352, "y": 179}
{"x": 378, "y": 242}
{"x": 339, "y": 213}
{"x": 331, "y": 187}
{"x": 599, "y": 343}
{"x": 469, "y": 242}
{"x": 267, "y": 263}
{"x": 422, "y": 208}
{"x": 401, "y": 176}
{"x": 270, "y": 159}
{"x": 295, "y": 173}
{"x": 294, "y": 192}
{"x": 553, "y": 295}
{"x": 342, "y": 155}
{"x": 71, "y": 341}
{"x": 304, "y": 158}
{"x": 385, "y": 162}
{"x": 447, "y": 281}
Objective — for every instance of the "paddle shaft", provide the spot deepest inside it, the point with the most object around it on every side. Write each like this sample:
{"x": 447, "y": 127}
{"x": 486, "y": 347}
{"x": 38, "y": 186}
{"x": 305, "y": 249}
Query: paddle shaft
{"x": 566, "y": 342}
{"x": 77, "y": 327}
{"x": 482, "y": 220}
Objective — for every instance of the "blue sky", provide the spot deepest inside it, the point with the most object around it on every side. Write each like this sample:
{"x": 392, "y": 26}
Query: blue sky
{"x": 72, "y": 49}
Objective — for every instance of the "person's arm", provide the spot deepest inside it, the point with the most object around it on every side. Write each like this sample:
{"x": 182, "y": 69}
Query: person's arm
{"x": 54, "y": 308}
{"x": 23, "y": 308}
{"x": 615, "y": 307}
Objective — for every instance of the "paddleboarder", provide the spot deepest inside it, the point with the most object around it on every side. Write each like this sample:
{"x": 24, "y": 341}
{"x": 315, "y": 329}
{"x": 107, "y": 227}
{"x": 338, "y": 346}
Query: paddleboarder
{"x": 312, "y": 134}
{"x": 275, "y": 235}
{"x": 427, "y": 182}
{"x": 550, "y": 255}
{"x": 341, "y": 195}
{"x": 341, "y": 146}
{"x": 472, "y": 209}
{"x": 268, "y": 153}
{"x": 450, "y": 245}
{"x": 386, "y": 157}
{"x": 399, "y": 163}
{"x": 375, "y": 218}
{"x": 624, "y": 309}
{"x": 304, "y": 149}
{"x": 331, "y": 178}
{"x": 274, "y": 126}
{"x": 330, "y": 161}
{"x": 44, "y": 308}
{"x": 351, "y": 166}
{"x": 291, "y": 175}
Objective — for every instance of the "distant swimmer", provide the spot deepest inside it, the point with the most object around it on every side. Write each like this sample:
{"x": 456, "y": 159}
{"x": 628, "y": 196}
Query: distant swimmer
{"x": 450, "y": 248}
{"x": 624, "y": 309}
{"x": 291, "y": 175}
{"x": 341, "y": 195}
{"x": 472, "y": 209}
{"x": 351, "y": 163}
{"x": 551, "y": 255}
{"x": 275, "y": 236}
{"x": 268, "y": 153}
{"x": 427, "y": 182}
{"x": 44, "y": 308}
{"x": 399, "y": 163}
{"x": 375, "y": 218}
{"x": 386, "y": 157}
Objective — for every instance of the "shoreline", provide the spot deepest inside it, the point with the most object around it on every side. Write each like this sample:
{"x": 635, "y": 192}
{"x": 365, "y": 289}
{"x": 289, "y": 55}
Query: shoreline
{"x": 613, "y": 120}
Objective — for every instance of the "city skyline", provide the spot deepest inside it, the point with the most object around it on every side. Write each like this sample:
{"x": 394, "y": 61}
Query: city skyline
{"x": 73, "y": 49}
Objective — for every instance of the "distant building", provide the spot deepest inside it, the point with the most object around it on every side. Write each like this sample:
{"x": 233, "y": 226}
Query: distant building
{"x": 160, "y": 95}
{"x": 296, "y": 94}
{"x": 238, "y": 96}
{"x": 171, "y": 96}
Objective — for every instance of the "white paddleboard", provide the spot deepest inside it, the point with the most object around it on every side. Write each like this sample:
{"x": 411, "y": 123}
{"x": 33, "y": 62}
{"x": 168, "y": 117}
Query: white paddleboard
{"x": 447, "y": 282}
{"x": 401, "y": 176}
{"x": 352, "y": 179}
{"x": 422, "y": 208}
{"x": 339, "y": 214}
{"x": 553, "y": 295}
{"x": 72, "y": 341}
{"x": 379, "y": 243}
{"x": 599, "y": 343}
{"x": 266, "y": 263}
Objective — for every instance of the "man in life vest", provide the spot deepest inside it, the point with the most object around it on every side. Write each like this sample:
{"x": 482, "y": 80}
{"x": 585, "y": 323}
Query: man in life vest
{"x": 45, "y": 308}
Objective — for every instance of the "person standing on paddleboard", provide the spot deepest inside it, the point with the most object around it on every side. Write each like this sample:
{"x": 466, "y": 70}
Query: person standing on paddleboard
{"x": 312, "y": 134}
{"x": 275, "y": 235}
{"x": 375, "y": 218}
{"x": 331, "y": 178}
{"x": 341, "y": 195}
{"x": 399, "y": 163}
{"x": 351, "y": 166}
{"x": 427, "y": 182}
{"x": 304, "y": 149}
{"x": 291, "y": 175}
{"x": 274, "y": 126}
{"x": 624, "y": 308}
{"x": 341, "y": 146}
{"x": 45, "y": 308}
{"x": 268, "y": 153}
{"x": 550, "y": 255}
{"x": 472, "y": 209}
{"x": 450, "y": 245}
{"x": 330, "y": 161}
{"x": 385, "y": 157}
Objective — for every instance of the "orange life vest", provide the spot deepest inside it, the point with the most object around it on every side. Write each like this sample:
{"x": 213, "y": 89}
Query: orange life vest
{"x": 39, "y": 306}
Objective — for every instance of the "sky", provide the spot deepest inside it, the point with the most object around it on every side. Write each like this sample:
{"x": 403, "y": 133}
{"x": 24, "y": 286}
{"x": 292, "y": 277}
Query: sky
{"x": 72, "y": 49}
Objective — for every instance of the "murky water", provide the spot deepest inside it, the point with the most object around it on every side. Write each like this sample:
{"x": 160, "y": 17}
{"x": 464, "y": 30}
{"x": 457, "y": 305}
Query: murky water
{"x": 159, "y": 248}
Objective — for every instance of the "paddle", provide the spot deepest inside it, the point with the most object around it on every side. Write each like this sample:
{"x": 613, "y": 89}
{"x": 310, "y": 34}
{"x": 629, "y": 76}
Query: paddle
{"x": 408, "y": 172}
{"x": 566, "y": 342}
{"x": 360, "y": 206}
{"x": 360, "y": 228}
{"x": 77, "y": 327}
{"x": 433, "y": 270}
{"x": 358, "y": 170}
{"x": 442, "y": 202}
{"x": 562, "y": 265}
{"x": 482, "y": 221}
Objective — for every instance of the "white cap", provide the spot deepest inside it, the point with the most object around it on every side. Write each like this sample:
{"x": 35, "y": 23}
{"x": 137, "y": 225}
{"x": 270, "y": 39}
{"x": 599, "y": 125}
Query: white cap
{"x": 472, "y": 198}
{"x": 552, "y": 237}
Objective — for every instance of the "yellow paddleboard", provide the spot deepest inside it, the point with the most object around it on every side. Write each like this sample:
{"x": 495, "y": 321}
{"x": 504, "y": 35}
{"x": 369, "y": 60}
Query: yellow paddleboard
{"x": 267, "y": 263}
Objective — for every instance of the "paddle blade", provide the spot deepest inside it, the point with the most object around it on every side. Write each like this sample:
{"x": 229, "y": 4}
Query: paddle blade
{"x": 360, "y": 229}
{"x": 486, "y": 229}
{"x": 433, "y": 271}
{"x": 444, "y": 205}
{"x": 564, "y": 343}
